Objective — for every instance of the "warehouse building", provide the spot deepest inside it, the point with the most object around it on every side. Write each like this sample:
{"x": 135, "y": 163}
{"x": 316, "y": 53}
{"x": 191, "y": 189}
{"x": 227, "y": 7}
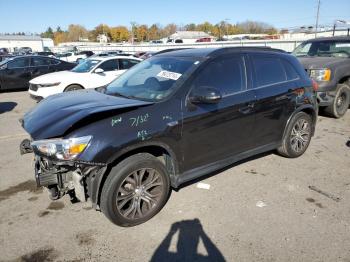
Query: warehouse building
{"x": 188, "y": 37}
{"x": 36, "y": 43}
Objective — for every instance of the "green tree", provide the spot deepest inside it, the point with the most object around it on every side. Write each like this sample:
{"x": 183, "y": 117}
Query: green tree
{"x": 48, "y": 33}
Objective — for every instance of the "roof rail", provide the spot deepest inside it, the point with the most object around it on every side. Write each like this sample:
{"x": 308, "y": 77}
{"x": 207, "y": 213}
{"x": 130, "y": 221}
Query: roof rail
{"x": 246, "y": 48}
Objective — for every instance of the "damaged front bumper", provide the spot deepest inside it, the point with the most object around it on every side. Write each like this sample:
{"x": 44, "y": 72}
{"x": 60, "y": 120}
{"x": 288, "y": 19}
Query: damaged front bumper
{"x": 67, "y": 177}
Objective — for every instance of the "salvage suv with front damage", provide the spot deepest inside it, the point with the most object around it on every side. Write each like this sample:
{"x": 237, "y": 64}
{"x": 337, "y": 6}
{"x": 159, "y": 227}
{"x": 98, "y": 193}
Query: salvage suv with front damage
{"x": 327, "y": 61}
{"x": 172, "y": 118}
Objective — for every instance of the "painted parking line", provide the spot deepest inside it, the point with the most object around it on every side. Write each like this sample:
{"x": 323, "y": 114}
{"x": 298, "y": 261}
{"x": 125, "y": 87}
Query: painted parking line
{"x": 13, "y": 136}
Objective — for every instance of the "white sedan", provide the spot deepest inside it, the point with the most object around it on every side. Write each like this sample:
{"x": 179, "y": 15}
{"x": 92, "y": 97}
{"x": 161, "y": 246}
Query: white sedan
{"x": 93, "y": 72}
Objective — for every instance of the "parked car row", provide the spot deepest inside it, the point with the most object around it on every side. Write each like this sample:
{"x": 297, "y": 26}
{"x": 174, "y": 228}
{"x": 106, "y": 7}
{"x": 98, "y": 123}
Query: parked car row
{"x": 91, "y": 73}
{"x": 16, "y": 72}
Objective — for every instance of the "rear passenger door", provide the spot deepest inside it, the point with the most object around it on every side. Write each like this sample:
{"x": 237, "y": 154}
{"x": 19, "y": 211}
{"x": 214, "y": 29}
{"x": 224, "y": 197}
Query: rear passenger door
{"x": 274, "y": 92}
{"x": 39, "y": 66}
{"x": 213, "y": 132}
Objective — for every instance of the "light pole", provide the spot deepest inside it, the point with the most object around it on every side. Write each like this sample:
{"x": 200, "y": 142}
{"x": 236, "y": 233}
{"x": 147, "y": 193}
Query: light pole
{"x": 227, "y": 19}
{"x": 132, "y": 32}
{"x": 318, "y": 13}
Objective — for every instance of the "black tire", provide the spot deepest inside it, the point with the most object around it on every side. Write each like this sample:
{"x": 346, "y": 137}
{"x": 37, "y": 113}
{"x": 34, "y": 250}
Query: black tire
{"x": 340, "y": 103}
{"x": 119, "y": 185}
{"x": 297, "y": 136}
{"x": 73, "y": 88}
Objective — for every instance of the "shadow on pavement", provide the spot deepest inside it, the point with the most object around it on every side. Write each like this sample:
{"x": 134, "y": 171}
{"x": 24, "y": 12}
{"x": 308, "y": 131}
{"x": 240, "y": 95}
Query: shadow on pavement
{"x": 7, "y": 106}
{"x": 190, "y": 232}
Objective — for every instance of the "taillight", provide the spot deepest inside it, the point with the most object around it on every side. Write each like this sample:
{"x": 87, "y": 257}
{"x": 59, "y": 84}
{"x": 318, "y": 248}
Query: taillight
{"x": 314, "y": 85}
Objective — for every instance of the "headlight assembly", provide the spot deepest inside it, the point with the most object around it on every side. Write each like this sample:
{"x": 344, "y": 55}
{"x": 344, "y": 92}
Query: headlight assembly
{"x": 62, "y": 149}
{"x": 323, "y": 74}
{"x": 50, "y": 84}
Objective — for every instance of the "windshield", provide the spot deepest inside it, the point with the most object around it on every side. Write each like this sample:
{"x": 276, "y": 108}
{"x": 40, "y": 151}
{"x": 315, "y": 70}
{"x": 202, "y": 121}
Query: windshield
{"x": 153, "y": 79}
{"x": 85, "y": 66}
{"x": 325, "y": 48}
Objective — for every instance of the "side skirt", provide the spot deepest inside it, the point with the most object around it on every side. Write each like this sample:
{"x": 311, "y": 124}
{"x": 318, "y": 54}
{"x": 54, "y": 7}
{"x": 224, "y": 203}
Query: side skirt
{"x": 206, "y": 169}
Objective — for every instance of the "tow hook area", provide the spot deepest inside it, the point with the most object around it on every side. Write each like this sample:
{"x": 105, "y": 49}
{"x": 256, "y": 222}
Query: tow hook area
{"x": 25, "y": 147}
{"x": 62, "y": 178}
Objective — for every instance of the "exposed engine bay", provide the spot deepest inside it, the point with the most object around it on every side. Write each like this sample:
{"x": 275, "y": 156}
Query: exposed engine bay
{"x": 62, "y": 178}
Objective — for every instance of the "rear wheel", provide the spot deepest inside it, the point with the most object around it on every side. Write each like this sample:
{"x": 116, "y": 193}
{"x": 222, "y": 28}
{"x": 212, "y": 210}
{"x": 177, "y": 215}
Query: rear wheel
{"x": 73, "y": 88}
{"x": 135, "y": 190}
{"x": 297, "y": 137}
{"x": 341, "y": 102}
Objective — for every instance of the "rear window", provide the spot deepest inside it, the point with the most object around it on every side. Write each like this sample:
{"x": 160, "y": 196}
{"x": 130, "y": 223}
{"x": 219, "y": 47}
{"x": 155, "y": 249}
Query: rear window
{"x": 268, "y": 70}
{"x": 18, "y": 63}
{"x": 40, "y": 61}
{"x": 127, "y": 63}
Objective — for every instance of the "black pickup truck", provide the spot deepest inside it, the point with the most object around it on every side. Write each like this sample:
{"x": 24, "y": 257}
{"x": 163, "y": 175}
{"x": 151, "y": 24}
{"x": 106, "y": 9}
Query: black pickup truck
{"x": 327, "y": 61}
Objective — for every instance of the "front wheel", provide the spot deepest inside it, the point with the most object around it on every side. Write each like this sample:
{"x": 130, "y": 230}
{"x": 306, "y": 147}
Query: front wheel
{"x": 297, "y": 137}
{"x": 73, "y": 88}
{"x": 341, "y": 102}
{"x": 135, "y": 190}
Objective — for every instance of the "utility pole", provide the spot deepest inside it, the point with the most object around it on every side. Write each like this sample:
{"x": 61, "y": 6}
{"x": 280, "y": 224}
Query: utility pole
{"x": 317, "y": 16}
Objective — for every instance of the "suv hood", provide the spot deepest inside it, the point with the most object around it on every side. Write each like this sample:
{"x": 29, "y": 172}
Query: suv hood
{"x": 320, "y": 62}
{"x": 55, "y": 115}
{"x": 54, "y": 77}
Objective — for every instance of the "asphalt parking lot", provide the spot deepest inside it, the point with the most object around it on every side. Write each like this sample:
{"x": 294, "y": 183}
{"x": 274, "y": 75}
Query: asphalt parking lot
{"x": 268, "y": 208}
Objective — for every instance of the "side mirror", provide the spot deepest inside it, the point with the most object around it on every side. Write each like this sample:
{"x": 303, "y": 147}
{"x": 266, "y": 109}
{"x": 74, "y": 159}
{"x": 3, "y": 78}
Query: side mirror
{"x": 99, "y": 71}
{"x": 205, "y": 95}
{"x": 4, "y": 66}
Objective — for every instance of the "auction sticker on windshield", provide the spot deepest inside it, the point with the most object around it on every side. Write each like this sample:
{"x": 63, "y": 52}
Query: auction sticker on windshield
{"x": 169, "y": 75}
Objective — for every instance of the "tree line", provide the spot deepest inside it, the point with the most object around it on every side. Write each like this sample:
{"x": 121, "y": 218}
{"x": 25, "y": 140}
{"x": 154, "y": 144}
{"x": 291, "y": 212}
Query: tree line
{"x": 144, "y": 33}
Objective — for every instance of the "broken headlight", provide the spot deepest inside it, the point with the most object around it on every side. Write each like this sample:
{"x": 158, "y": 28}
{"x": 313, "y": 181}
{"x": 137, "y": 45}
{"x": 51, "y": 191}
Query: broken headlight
{"x": 62, "y": 149}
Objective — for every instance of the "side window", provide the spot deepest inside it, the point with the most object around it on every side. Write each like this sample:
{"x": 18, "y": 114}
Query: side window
{"x": 54, "y": 62}
{"x": 18, "y": 63}
{"x": 292, "y": 74}
{"x": 225, "y": 74}
{"x": 127, "y": 63}
{"x": 109, "y": 65}
{"x": 39, "y": 61}
{"x": 268, "y": 70}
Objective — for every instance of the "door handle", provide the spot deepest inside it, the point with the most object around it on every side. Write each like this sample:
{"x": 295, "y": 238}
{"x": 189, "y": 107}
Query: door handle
{"x": 248, "y": 108}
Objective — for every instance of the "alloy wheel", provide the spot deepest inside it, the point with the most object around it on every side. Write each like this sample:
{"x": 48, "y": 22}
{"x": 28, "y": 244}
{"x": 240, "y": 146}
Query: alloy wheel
{"x": 139, "y": 193}
{"x": 300, "y": 135}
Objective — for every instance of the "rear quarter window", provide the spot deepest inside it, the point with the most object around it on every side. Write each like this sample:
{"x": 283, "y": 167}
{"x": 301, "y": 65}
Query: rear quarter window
{"x": 291, "y": 72}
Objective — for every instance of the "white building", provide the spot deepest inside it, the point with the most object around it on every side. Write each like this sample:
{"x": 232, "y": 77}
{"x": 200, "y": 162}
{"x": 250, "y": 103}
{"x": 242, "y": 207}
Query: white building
{"x": 187, "y": 37}
{"x": 36, "y": 43}
{"x": 309, "y": 34}
{"x": 102, "y": 38}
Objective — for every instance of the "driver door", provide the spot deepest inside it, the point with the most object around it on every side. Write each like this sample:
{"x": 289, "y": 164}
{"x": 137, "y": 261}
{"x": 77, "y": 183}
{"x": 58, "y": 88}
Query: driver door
{"x": 216, "y": 131}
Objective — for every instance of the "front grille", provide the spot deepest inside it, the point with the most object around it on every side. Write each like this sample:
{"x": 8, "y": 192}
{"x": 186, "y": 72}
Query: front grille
{"x": 33, "y": 87}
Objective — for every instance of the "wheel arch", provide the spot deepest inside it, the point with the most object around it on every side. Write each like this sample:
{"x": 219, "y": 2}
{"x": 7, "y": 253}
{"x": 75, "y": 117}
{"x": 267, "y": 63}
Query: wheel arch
{"x": 308, "y": 109}
{"x": 74, "y": 84}
{"x": 345, "y": 80}
{"x": 157, "y": 149}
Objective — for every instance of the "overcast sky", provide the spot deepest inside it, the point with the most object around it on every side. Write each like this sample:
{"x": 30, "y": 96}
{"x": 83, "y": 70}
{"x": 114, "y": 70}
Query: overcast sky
{"x": 36, "y": 15}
